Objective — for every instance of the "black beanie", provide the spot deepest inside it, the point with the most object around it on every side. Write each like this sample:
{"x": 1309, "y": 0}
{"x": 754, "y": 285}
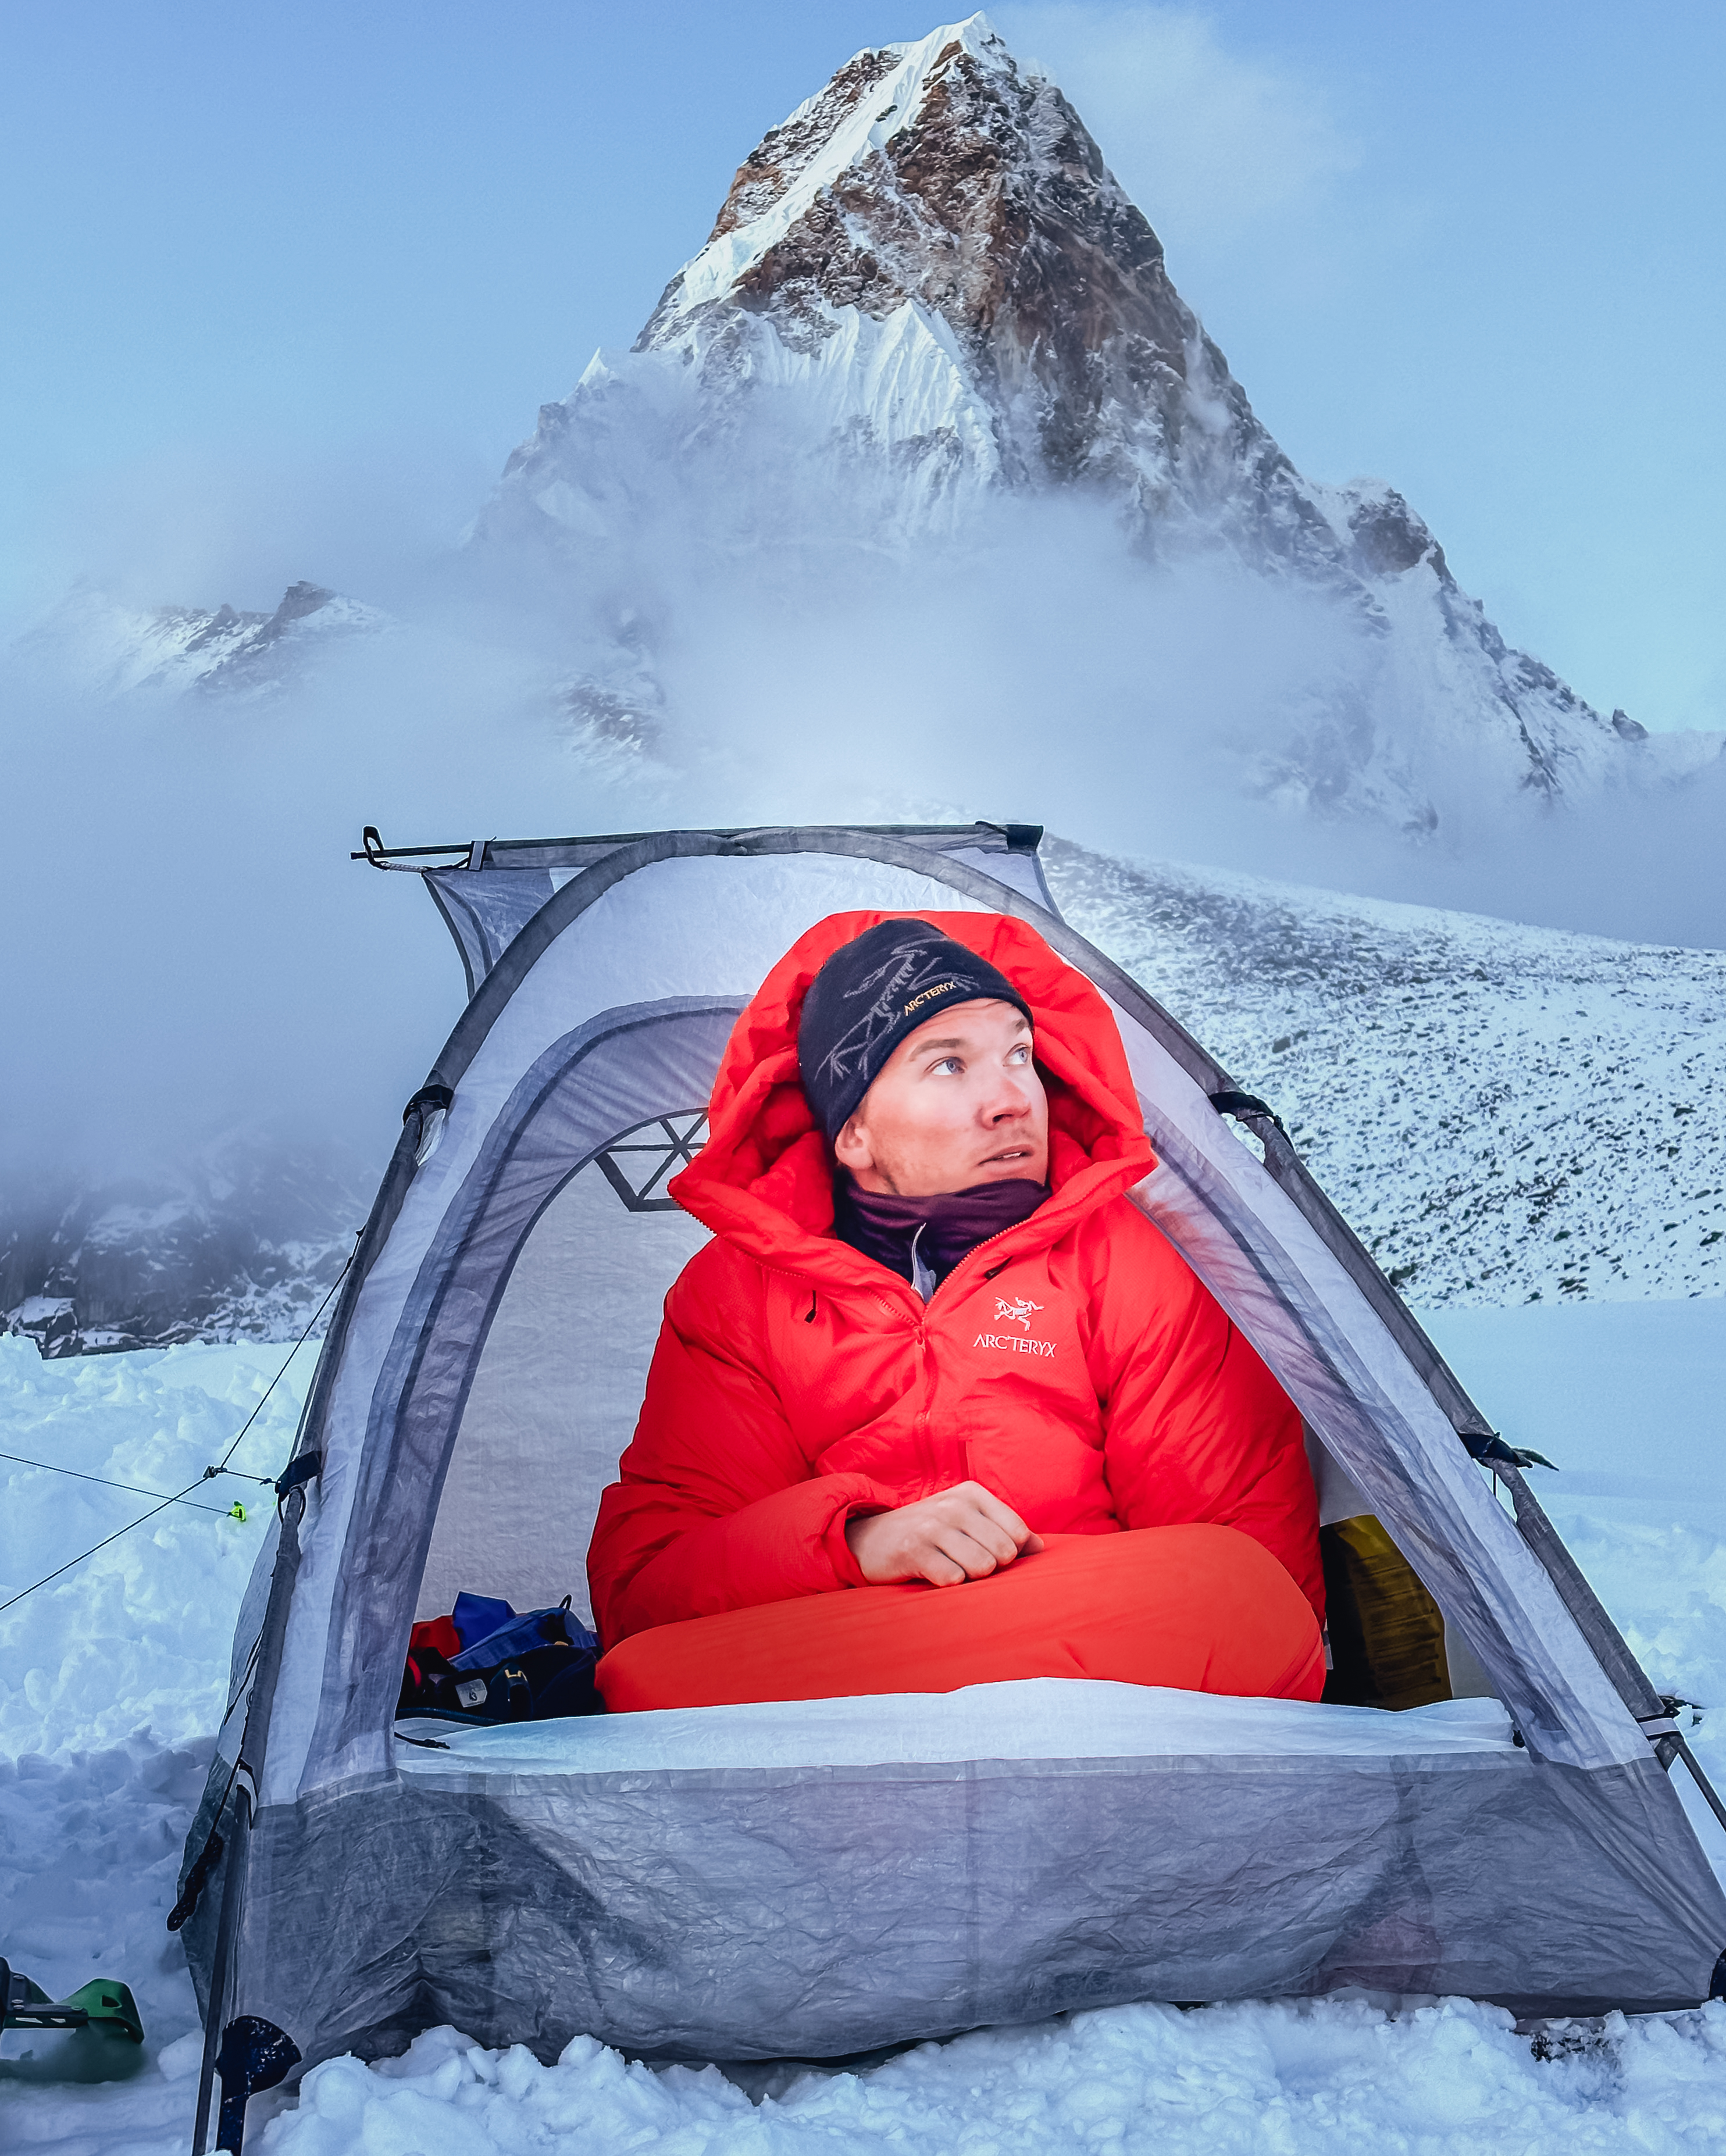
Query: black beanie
{"x": 869, "y": 995}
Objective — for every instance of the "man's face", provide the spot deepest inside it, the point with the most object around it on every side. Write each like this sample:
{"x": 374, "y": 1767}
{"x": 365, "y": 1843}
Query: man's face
{"x": 958, "y": 1103}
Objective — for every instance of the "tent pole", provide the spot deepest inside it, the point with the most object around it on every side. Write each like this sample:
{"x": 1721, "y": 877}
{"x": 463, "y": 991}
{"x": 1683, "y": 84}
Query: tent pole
{"x": 215, "y": 2013}
{"x": 248, "y": 1775}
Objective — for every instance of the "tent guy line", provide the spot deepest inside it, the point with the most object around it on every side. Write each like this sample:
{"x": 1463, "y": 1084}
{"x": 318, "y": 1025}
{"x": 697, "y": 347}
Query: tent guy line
{"x": 48, "y": 1467}
{"x": 102, "y": 1545}
{"x": 221, "y": 1466}
{"x": 180, "y": 1496}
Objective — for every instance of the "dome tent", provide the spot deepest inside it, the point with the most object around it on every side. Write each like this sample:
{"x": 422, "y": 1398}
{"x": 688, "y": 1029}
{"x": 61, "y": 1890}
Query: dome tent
{"x": 815, "y": 1879}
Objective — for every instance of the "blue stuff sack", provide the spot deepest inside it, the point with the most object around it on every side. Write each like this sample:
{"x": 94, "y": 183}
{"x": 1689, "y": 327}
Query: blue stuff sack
{"x": 532, "y": 1667}
{"x": 513, "y": 1635}
{"x": 476, "y": 1616}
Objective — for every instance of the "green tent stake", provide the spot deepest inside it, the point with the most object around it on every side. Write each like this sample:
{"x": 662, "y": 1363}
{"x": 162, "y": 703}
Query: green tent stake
{"x": 103, "y": 2002}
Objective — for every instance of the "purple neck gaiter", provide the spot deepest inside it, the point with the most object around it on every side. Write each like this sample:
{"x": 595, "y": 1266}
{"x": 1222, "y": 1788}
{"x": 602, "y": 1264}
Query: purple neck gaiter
{"x": 923, "y": 1239}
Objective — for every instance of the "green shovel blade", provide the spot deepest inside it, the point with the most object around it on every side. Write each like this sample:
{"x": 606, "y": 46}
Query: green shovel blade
{"x": 105, "y": 2000}
{"x": 100, "y": 2002}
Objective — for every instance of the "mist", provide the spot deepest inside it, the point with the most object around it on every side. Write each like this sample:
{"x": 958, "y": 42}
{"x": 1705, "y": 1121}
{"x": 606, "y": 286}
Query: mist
{"x": 191, "y": 953}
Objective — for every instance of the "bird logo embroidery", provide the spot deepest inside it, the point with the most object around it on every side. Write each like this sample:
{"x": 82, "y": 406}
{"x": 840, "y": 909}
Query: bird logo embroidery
{"x": 1016, "y": 1312}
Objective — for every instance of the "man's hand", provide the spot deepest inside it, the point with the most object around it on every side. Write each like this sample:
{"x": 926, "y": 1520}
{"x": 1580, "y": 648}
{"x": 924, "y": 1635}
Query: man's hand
{"x": 962, "y": 1533}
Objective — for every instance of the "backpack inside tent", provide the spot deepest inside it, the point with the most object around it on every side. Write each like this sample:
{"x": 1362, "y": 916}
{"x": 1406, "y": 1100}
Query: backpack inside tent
{"x": 1481, "y": 1804}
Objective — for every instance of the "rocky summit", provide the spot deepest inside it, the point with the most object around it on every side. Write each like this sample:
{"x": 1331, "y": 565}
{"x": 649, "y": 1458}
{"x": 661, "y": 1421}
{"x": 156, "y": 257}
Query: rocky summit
{"x": 927, "y": 277}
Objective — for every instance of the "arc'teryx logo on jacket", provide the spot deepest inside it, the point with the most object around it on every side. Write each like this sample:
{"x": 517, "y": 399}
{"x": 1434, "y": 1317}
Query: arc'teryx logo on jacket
{"x": 1017, "y": 1312}
{"x": 1015, "y": 1343}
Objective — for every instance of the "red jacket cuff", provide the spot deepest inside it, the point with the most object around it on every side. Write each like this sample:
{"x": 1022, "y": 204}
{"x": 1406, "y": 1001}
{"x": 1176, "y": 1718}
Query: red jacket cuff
{"x": 847, "y": 1570}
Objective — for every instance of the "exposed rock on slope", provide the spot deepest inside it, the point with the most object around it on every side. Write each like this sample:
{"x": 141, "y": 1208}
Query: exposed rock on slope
{"x": 928, "y": 279}
{"x": 1502, "y": 1114}
{"x": 109, "y": 648}
{"x": 242, "y": 1243}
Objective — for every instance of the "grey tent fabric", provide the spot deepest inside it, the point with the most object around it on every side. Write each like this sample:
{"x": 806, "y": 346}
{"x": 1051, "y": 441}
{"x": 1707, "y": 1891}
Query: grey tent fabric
{"x": 485, "y": 911}
{"x": 487, "y": 901}
{"x": 757, "y": 1882}
{"x": 600, "y": 1079}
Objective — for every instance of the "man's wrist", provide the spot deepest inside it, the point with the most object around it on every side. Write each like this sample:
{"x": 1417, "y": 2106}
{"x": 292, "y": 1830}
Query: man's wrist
{"x": 848, "y": 1561}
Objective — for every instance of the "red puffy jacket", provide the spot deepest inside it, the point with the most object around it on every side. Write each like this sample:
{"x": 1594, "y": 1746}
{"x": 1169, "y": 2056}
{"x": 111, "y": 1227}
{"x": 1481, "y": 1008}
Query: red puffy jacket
{"x": 1073, "y": 1364}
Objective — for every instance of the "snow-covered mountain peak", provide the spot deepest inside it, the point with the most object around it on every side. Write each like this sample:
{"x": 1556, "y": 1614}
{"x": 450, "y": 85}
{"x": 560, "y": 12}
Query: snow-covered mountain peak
{"x": 852, "y": 125}
{"x": 925, "y": 294}
{"x": 937, "y": 225}
{"x": 928, "y": 323}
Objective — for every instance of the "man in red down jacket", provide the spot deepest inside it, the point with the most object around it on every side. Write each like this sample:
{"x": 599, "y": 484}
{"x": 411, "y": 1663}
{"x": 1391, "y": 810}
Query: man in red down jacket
{"x": 938, "y": 1405}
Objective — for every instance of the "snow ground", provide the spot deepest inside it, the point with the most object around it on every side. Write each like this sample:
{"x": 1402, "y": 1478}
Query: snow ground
{"x": 112, "y": 1679}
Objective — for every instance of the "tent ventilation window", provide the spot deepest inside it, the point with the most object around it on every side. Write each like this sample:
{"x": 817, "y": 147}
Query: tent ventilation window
{"x": 643, "y": 1159}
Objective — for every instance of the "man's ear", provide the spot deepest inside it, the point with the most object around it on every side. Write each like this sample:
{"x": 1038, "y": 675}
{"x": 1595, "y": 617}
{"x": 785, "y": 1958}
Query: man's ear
{"x": 851, "y": 1149}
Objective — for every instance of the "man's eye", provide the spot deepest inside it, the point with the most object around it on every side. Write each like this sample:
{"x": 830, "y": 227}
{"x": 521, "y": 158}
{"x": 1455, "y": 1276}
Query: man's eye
{"x": 950, "y": 1063}
{"x": 1018, "y": 1055}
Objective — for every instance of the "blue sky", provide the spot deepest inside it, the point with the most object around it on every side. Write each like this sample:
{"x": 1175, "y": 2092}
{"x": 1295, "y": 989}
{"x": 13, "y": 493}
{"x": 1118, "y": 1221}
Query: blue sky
{"x": 285, "y": 284}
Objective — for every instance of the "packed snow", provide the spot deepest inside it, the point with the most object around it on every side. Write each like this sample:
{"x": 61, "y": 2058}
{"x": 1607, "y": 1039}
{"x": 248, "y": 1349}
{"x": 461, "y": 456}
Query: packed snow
{"x": 113, "y": 1680}
{"x": 1292, "y": 2079}
{"x": 113, "y": 1677}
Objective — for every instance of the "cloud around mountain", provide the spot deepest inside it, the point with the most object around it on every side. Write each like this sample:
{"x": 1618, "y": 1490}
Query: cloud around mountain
{"x": 923, "y": 495}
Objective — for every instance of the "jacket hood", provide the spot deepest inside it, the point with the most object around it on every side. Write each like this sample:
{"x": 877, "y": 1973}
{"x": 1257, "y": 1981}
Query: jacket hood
{"x": 764, "y": 1179}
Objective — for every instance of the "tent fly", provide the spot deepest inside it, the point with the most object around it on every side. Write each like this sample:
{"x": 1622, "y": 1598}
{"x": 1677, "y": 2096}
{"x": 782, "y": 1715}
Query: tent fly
{"x": 819, "y": 1879}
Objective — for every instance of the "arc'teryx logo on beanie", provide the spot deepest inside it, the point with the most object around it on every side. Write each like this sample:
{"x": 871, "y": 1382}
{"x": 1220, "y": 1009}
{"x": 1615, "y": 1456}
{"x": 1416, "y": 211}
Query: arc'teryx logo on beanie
{"x": 870, "y": 994}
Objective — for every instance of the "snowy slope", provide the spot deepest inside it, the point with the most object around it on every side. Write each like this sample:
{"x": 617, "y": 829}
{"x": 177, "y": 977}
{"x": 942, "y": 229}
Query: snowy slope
{"x": 927, "y": 280}
{"x": 1504, "y": 1114}
{"x": 111, "y": 1682}
{"x": 113, "y": 1679}
{"x": 107, "y": 649}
